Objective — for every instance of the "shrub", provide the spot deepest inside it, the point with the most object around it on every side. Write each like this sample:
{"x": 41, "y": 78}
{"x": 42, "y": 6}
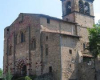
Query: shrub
{"x": 22, "y": 78}
{"x": 27, "y": 78}
{"x": 33, "y": 77}
{"x": 1, "y": 72}
{"x": 8, "y": 76}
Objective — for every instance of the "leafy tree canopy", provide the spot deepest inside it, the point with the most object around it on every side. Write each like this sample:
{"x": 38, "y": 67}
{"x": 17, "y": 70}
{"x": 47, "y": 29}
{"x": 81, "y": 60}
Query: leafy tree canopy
{"x": 94, "y": 39}
{"x": 1, "y": 72}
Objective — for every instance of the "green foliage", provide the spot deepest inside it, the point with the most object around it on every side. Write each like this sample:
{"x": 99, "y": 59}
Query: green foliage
{"x": 8, "y": 76}
{"x": 33, "y": 77}
{"x": 1, "y": 72}
{"x": 94, "y": 40}
{"x": 27, "y": 78}
{"x": 98, "y": 24}
{"x": 22, "y": 78}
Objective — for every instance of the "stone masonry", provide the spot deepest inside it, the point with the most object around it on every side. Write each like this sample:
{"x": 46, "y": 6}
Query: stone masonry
{"x": 37, "y": 44}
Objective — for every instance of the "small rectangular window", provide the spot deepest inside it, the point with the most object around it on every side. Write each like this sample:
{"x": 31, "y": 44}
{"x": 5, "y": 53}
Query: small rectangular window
{"x": 70, "y": 51}
{"x": 46, "y": 49}
{"x": 83, "y": 46}
{"x": 7, "y": 29}
{"x": 50, "y": 69}
{"x": 46, "y": 38}
{"x": 33, "y": 44}
{"x": 22, "y": 37}
{"x": 48, "y": 20}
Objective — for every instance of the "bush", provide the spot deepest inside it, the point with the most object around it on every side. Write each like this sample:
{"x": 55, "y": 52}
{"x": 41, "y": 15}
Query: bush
{"x": 1, "y": 73}
{"x": 27, "y": 78}
{"x": 33, "y": 77}
{"x": 8, "y": 75}
{"x": 22, "y": 78}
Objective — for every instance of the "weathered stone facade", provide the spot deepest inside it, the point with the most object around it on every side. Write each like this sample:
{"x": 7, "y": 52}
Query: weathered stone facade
{"x": 37, "y": 44}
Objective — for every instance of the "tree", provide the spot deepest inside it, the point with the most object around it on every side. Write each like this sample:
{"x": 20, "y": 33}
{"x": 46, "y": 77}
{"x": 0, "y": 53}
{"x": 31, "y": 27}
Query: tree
{"x": 8, "y": 75}
{"x": 98, "y": 24}
{"x": 94, "y": 42}
{"x": 1, "y": 72}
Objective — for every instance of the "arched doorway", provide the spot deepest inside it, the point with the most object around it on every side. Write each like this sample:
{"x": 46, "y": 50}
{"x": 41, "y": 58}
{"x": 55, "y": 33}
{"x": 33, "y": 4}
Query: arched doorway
{"x": 21, "y": 68}
{"x": 24, "y": 70}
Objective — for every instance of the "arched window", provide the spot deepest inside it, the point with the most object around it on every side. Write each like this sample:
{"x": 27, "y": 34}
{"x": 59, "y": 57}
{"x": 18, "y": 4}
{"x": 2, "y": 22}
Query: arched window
{"x": 68, "y": 8}
{"x": 86, "y": 8}
{"x": 46, "y": 49}
{"x": 22, "y": 37}
{"x": 33, "y": 44}
{"x": 81, "y": 6}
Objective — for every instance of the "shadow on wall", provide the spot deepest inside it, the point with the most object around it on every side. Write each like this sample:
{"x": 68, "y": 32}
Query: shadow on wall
{"x": 76, "y": 71}
{"x": 98, "y": 68}
{"x": 81, "y": 71}
{"x": 86, "y": 70}
{"x": 71, "y": 70}
{"x": 47, "y": 76}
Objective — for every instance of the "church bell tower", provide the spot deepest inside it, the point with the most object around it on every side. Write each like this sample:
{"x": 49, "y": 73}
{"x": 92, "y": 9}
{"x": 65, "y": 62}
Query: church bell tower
{"x": 79, "y": 11}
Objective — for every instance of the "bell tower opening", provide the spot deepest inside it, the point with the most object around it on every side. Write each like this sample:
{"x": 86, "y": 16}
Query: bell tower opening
{"x": 68, "y": 8}
{"x": 81, "y": 6}
{"x": 78, "y": 10}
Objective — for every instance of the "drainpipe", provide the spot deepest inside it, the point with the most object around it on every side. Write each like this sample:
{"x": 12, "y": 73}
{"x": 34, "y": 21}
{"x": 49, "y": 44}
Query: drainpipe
{"x": 60, "y": 47}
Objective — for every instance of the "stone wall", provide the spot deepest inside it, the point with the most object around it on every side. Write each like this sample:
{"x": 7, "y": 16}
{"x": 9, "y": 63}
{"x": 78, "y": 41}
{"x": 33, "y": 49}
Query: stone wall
{"x": 47, "y": 76}
{"x": 21, "y": 50}
{"x": 84, "y": 20}
{"x": 35, "y": 27}
{"x": 57, "y": 46}
{"x": 75, "y": 8}
{"x": 86, "y": 71}
{"x": 97, "y": 61}
{"x": 57, "y": 26}
{"x": 52, "y": 57}
{"x": 69, "y": 57}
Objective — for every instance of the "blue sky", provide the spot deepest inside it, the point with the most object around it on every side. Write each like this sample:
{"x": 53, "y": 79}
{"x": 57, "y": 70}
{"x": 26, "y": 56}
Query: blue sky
{"x": 10, "y": 9}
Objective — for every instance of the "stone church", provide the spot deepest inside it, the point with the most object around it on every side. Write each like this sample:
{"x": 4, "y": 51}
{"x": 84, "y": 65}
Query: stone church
{"x": 38, "y": 44}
